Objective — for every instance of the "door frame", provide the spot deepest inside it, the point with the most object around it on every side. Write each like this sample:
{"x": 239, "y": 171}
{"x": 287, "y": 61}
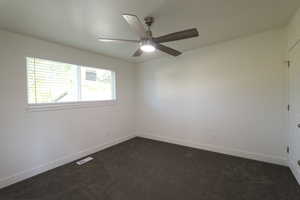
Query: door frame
{"x": 292, "y": 162}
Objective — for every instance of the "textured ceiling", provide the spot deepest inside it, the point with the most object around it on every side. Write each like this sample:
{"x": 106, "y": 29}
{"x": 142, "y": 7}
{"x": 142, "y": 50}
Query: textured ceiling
{"x": 78, "y": 23}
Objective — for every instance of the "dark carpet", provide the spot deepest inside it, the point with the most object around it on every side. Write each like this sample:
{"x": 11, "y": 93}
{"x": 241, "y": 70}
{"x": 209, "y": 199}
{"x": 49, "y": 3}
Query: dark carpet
{"x": 142, "y": 169}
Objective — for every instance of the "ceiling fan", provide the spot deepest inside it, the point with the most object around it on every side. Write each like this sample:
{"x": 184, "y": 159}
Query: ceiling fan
{"x": 148, "y": 43}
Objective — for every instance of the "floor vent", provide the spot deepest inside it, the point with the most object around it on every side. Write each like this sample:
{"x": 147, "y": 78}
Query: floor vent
{"x": 83, "y": 161}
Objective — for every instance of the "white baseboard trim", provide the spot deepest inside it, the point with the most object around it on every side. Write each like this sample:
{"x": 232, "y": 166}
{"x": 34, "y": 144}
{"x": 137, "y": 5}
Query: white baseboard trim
{"x": 234, "y": 152}
{"x": 56, "y": 163}
{"x": 295, "y": 170}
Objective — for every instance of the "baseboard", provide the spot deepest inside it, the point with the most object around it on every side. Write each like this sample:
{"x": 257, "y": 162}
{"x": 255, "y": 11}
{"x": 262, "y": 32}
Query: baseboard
{"x": 295, "y": 170}
{"x": 229, "y": 151}
{"x": 56, "y": 163}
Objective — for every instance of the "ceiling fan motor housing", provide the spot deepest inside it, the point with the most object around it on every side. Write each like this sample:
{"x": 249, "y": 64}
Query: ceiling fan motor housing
{"x": 147, "y": 42}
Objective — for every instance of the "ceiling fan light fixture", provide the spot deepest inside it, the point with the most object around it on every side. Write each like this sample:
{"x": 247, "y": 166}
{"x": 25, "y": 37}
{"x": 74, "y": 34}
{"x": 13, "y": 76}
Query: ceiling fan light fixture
{"x": 148, "y": 47}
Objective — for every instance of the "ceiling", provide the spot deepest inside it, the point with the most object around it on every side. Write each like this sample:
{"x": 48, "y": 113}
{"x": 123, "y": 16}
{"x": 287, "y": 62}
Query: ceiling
{"x": 78, "y": 23}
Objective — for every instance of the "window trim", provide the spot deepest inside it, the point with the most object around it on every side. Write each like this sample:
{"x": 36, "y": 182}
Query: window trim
{"x": 69, "y": 105}
{"x": 36, "y": 107}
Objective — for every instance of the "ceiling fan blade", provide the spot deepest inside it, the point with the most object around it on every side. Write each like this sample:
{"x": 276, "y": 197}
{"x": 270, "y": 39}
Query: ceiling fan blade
{"x": 102, "y": 39}
{"x": 135, "y": 24}
{"x": 138, "y": 53}
{"x": 189, "y": 33}
{"x": 168, "y": 50}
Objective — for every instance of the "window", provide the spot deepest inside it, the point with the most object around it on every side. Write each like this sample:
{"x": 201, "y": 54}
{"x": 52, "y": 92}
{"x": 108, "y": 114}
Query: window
{"x": 50, "y": 82}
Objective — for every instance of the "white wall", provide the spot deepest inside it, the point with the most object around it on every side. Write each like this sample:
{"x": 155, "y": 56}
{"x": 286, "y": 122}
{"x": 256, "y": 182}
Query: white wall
{"x": 228, "y": 97}
{"x": 31, "y": 142}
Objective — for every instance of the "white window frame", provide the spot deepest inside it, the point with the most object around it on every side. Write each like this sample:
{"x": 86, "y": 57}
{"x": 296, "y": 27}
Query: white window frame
{"x": 36, "y": 107}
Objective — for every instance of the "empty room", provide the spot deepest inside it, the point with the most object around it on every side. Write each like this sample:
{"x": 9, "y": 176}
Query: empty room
{"x": 150, "y": 100}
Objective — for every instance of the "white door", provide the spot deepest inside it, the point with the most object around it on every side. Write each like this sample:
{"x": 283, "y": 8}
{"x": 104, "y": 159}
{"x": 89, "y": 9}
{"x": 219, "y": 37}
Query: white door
{"x": 294, "y": 114}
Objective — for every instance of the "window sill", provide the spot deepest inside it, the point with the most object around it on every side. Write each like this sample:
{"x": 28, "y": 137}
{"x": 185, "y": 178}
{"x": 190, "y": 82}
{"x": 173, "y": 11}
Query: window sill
{"x": 69, "y": 105}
